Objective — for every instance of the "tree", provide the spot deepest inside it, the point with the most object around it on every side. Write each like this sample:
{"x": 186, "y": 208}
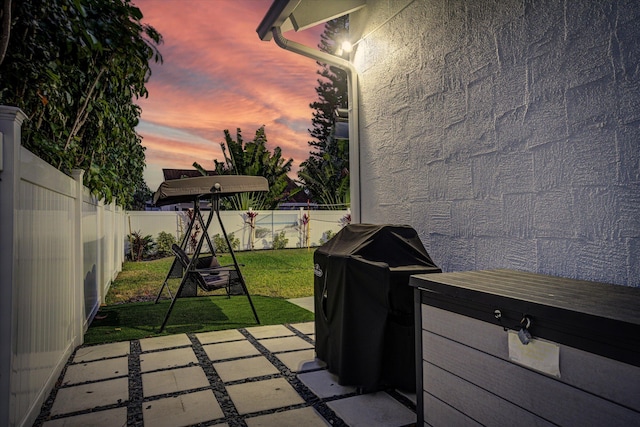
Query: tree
{"x": 254, "y": 159}
{"x": 323, "y": 178}
{"x": 75, "y": 67}
{"x": 141, "y": 196}
{"x": 325, "y": 174}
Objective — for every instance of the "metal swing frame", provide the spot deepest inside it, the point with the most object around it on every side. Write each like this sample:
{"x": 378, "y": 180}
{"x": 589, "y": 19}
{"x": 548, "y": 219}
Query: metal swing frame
{"x": 191, "y": 189}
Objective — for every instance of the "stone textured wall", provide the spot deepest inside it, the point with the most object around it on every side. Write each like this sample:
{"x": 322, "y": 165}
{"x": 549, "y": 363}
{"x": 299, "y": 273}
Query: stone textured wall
{"x": 507, "y": 132}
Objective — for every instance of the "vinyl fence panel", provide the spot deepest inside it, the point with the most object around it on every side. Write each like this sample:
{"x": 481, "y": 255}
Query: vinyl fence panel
{"x": 59, "y": 250}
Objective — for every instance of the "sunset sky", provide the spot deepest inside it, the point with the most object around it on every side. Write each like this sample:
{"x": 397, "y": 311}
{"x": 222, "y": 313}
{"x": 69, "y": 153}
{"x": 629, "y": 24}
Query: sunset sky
{"x": 217, "y": 74}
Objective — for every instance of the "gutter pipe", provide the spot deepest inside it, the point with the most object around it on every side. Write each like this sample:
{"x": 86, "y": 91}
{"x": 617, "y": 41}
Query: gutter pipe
{"x": 354, "y": 112}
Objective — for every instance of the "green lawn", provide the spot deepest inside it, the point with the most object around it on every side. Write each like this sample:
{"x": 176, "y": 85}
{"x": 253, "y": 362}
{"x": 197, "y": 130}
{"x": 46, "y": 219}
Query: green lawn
{"x": 271, "y": 277}
{"x": 285, "y": 273}
{"x": 125, "y": 322}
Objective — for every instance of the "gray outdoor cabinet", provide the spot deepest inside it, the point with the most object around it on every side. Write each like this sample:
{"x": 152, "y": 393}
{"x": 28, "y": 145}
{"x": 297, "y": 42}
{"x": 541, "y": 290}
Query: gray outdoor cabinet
{"x": 581, "y": 366}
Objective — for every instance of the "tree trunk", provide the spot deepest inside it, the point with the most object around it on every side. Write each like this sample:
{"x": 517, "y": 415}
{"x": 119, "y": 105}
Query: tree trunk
{"x": 6, "y": 28}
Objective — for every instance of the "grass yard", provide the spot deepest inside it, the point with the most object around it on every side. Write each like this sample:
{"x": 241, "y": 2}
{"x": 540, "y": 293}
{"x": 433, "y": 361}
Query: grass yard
{"x": 271, "y": 277}
{"x": 286, "y": 273}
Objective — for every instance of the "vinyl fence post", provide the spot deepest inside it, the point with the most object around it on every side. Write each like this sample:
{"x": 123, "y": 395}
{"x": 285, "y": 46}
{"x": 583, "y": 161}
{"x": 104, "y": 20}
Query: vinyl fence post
{"x": 11, "y": 119}
{"x": 78, "y": 259}
{"x": 102, "y": 252}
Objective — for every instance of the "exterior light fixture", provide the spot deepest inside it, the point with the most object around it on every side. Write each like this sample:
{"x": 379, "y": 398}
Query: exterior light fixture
{"x": 345, "y": 47}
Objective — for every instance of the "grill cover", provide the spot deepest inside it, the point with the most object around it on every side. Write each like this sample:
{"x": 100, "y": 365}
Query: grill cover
{"x": 364, "y": 306}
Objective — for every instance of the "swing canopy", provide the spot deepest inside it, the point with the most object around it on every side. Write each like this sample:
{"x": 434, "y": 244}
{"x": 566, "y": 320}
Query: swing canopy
{"x": 188, "y": 189}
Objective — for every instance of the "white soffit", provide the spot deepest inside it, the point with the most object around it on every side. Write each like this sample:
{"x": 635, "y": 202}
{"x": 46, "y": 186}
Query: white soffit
{"x": 310, "y": 13}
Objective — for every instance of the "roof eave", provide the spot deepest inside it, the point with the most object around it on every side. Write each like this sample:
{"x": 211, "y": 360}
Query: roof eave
{"x": 276, "y": 16}
{"x": 299, "y": 14}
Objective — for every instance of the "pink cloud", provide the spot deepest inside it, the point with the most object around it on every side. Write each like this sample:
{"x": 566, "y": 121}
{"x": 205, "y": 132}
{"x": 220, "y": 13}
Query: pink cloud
{"x": 217, "y": 74}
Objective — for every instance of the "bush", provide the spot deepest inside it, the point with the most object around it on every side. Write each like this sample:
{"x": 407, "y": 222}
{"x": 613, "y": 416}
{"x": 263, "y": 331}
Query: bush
{"x": 221, "y": 244}
{"x": 141, "y": 247}
{"x": 164, "y": 242}
{"x": 280, "y": 241}
{"x": 326, "y": 236}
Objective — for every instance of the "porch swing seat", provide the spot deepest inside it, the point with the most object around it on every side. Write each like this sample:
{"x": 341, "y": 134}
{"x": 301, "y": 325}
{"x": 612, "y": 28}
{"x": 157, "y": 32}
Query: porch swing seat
{"x": 207, "y": 278}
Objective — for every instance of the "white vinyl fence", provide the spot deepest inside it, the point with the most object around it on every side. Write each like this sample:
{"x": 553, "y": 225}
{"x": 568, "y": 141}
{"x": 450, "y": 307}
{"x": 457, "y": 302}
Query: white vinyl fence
{"x": 298, "y": 228}
{"x": 59, "y": 250}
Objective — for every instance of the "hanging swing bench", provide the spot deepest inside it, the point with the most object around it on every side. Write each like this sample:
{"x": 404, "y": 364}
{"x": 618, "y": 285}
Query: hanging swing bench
{"x": 204, "y": 272}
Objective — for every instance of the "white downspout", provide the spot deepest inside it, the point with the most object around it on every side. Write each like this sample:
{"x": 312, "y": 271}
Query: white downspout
{"x": 354, "y": 118}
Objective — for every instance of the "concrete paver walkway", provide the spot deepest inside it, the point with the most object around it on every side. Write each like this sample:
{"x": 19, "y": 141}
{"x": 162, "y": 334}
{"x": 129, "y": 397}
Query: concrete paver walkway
{"x": 258, "y": 376}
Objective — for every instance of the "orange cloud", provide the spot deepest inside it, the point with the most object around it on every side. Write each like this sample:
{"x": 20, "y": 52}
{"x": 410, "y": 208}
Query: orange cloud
{"x": 217, "y": 74}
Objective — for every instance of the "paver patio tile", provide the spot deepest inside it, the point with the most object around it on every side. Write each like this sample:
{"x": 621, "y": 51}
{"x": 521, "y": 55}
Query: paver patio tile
{"x": 269, "y": 331}
{"x": 307, "y": 328}
{"x": 324, "y": 384}
{"x": 219, "y": 336}
{"x": 106, "y": 418}
{"x": 230, "y": 350}
{"x": 183, "y": 410}
{"x": 307, "y": 303}
{"x": 372, "y": 410}
{"x": 245, "y": 368}
{"x": 262, "y": 395}
{"x": 299, "y": 361}
{"x": 99, "y": 370}
{"x": 173, "y": 380}
{"x": 95, "y": 352}
{"x": 87, "y": 396}
{"x": 168, "y": 341}
{"x": 169, "y": 367}
{"x": 275, "y": 345}
{"x": 294, "y": 418}
{"x": 167, "y": 359}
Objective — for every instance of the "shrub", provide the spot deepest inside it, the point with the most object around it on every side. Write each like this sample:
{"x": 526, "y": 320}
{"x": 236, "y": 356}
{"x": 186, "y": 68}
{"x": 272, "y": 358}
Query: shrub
{"x": 164, "y": 242}
{"x": 326, "y": 236}
{"x": 141, "y": 247}
{"x": 280, "y": 241}
{"x": 221, "y": 244}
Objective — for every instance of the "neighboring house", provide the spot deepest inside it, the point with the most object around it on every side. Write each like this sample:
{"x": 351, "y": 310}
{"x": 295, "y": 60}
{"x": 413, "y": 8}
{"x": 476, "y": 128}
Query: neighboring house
{"x": 297, "y": 197}
{"x": 507, "y": 133}
{"x": 170, "y": 174}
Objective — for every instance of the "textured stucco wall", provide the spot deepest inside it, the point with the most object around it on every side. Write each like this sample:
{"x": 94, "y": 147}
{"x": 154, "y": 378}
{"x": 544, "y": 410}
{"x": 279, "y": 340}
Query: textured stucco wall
{"x": 506, "y": 132}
